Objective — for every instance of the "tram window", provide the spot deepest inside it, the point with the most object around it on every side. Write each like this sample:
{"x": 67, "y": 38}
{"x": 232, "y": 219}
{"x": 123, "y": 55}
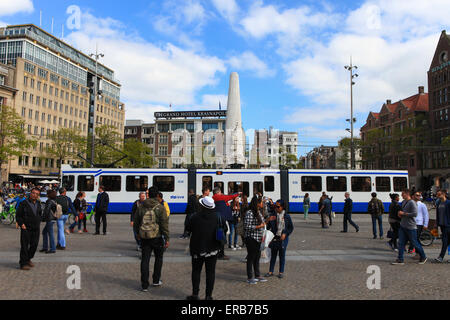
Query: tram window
{"x": 207, "y": 183}
{"x": 383, "y": 184}
{"x": 68, "y": 182}
{"x": 269, "y": 184}
{"x": 235, "y": 187}
{"x": 337, "y": 184}
{"x": 400, "y": 184}
{"x": 86, "y": 183}
{"x": 361, "y": 184}
{"x": 258, "y": 188}
{"x": 312, "y": 184}
{"x": 111, "y": 183}
{"x": 220, "y": 185}
{"x": 137, "y": 183}
{"x": 164, "y": 183}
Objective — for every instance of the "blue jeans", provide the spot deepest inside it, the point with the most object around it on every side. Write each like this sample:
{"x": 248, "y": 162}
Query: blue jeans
{"x": 230, "y": 236}
{"x": 380, "y": 225}
{"x": 403, "y": 236}
{"x": 61, "y": 235}
{"x": 47, "y": 234}
{"x": 278, "y": 248}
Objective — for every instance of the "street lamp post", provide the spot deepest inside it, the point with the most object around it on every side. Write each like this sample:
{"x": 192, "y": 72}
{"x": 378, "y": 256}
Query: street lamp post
{"x": 352, "y": 120}
{"x": 96, "y": 56}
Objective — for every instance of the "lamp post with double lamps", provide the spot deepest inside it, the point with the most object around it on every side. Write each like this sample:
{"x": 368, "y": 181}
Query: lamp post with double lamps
{"x": 352, "y": 120}
{"x": 96, "y": 56}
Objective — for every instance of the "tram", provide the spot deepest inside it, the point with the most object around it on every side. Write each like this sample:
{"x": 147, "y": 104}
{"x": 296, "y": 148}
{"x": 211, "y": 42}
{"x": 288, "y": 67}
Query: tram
{"x": 124, "y": 185}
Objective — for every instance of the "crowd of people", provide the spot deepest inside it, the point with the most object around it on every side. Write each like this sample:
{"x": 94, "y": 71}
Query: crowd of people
{"x": 258, "y": 224}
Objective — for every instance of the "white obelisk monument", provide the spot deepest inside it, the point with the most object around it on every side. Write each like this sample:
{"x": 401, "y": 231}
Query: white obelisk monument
{"x": 234, "y": 134}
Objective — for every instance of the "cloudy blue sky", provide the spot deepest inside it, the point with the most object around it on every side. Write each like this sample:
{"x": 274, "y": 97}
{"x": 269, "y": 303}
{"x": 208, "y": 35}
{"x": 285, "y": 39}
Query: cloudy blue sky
{"x": 290, "y": 54}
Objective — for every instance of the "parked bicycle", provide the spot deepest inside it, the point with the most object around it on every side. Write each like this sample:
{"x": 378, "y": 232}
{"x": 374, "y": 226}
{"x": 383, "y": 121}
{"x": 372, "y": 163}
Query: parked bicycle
{"x": 8, "y": 215}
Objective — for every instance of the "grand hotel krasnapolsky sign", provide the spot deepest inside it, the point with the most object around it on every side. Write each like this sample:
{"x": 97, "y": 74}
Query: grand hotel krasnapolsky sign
{"x": 190, "y": 114}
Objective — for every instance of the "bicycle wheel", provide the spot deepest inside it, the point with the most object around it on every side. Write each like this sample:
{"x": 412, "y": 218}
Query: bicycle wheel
{"x": 11, "y": 218}
{"x": 426, "y": 239}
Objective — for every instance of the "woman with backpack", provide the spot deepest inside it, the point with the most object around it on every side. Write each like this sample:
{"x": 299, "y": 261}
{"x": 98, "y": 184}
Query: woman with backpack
{"x": 253, "y": 233}
{"x": 236, "y": 212}
{"x": 49, "y": 218}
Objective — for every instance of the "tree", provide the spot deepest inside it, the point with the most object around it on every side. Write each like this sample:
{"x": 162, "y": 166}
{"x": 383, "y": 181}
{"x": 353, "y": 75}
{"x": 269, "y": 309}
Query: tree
{"x": 66, "y": 144}
{"x": 108, "y": 145}
{"x": 372, "y": 152}
{"x": 13, "y": 140}
{"x": 446, "y": 141}
{"x": 138, "y": 155}
{"x": 345, "y": 145}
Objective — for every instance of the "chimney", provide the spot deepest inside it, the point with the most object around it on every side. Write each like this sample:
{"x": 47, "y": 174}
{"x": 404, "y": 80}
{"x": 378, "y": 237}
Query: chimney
{"x": 388, "y": 102}
{"x": 421, "y": 90}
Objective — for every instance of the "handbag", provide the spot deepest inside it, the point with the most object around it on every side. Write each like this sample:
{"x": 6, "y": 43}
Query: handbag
{"x": 390, "y": 234}
{"x": 82, "y": 216}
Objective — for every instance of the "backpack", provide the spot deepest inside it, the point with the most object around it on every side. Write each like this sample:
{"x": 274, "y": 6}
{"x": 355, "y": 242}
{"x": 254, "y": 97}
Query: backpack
{"x": 63, "y": 204}
{"x": 149, "y": 228}
{"x": 58, "y": 212}
{"x": 375, "y": 208}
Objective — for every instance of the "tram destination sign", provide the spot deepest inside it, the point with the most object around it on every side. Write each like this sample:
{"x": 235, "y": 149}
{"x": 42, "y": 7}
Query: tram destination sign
{"x": 190, "y": 114}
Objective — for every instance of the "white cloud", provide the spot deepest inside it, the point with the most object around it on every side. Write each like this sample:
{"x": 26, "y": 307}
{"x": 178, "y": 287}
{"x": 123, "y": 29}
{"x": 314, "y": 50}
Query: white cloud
{"x": 227, "y": 8}
{"x": 10, "y": 7}
{"x": 135, "y": 110}
{"x": 248, "y": 61}
{"x": 211, "y": 101}
{"x": 150, "y": 74}
{"x": 392, "y": 43}
{"x": 400, "y": 19}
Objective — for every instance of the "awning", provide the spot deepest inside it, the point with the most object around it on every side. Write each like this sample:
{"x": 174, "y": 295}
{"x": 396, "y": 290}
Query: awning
{"x": 40, "y": 177}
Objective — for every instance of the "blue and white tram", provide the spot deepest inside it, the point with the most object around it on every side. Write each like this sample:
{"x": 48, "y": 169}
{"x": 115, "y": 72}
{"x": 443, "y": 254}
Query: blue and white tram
{"x": 360, "y": 184}
{"x": 124, "y": 185}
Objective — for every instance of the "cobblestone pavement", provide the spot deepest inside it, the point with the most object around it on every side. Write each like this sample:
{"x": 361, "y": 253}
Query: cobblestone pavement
{"x": 321, "y": 264}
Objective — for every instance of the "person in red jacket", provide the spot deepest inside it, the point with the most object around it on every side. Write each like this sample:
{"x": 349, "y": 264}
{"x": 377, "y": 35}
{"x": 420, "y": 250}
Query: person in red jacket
{"x": 223, "y": 208}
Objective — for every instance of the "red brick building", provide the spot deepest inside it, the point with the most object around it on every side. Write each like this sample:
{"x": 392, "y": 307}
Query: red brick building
{"x": 393, "y": 139}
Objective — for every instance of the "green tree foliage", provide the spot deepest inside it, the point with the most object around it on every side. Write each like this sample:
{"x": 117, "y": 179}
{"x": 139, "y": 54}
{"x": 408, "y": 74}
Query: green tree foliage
{"x": 345, "y": 144}
{"x": 108, "y": 145}
{"x": 66, "y": 144}
{"x": 138, "y": 155}
{"x": 13, "y": 140}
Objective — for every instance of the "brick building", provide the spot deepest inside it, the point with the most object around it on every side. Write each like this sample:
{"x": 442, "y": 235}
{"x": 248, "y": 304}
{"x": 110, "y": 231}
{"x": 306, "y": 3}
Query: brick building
{"x": 394, "y": 138}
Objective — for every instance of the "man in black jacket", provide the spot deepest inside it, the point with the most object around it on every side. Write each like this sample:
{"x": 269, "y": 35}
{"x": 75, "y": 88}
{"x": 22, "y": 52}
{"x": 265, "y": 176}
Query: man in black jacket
{"x": 101, "y": 208}
{"x": 28, "y": 217}
{"x": 348, "y": 209}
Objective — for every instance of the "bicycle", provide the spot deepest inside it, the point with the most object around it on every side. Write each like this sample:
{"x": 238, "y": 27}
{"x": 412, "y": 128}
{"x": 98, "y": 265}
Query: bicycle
{"x": 8, "y": 215}
{"x": 90, "y": 215}
{"x": 427, "y": 238}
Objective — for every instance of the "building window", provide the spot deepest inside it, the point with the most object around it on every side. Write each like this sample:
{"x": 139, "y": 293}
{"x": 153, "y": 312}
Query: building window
{"x": 163, "y": 163}
{"x": 163, "y": 139}
{"x": 312, "y": 184}
{"x": 164, "y": 127}
{"x": 163, "y": 151}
